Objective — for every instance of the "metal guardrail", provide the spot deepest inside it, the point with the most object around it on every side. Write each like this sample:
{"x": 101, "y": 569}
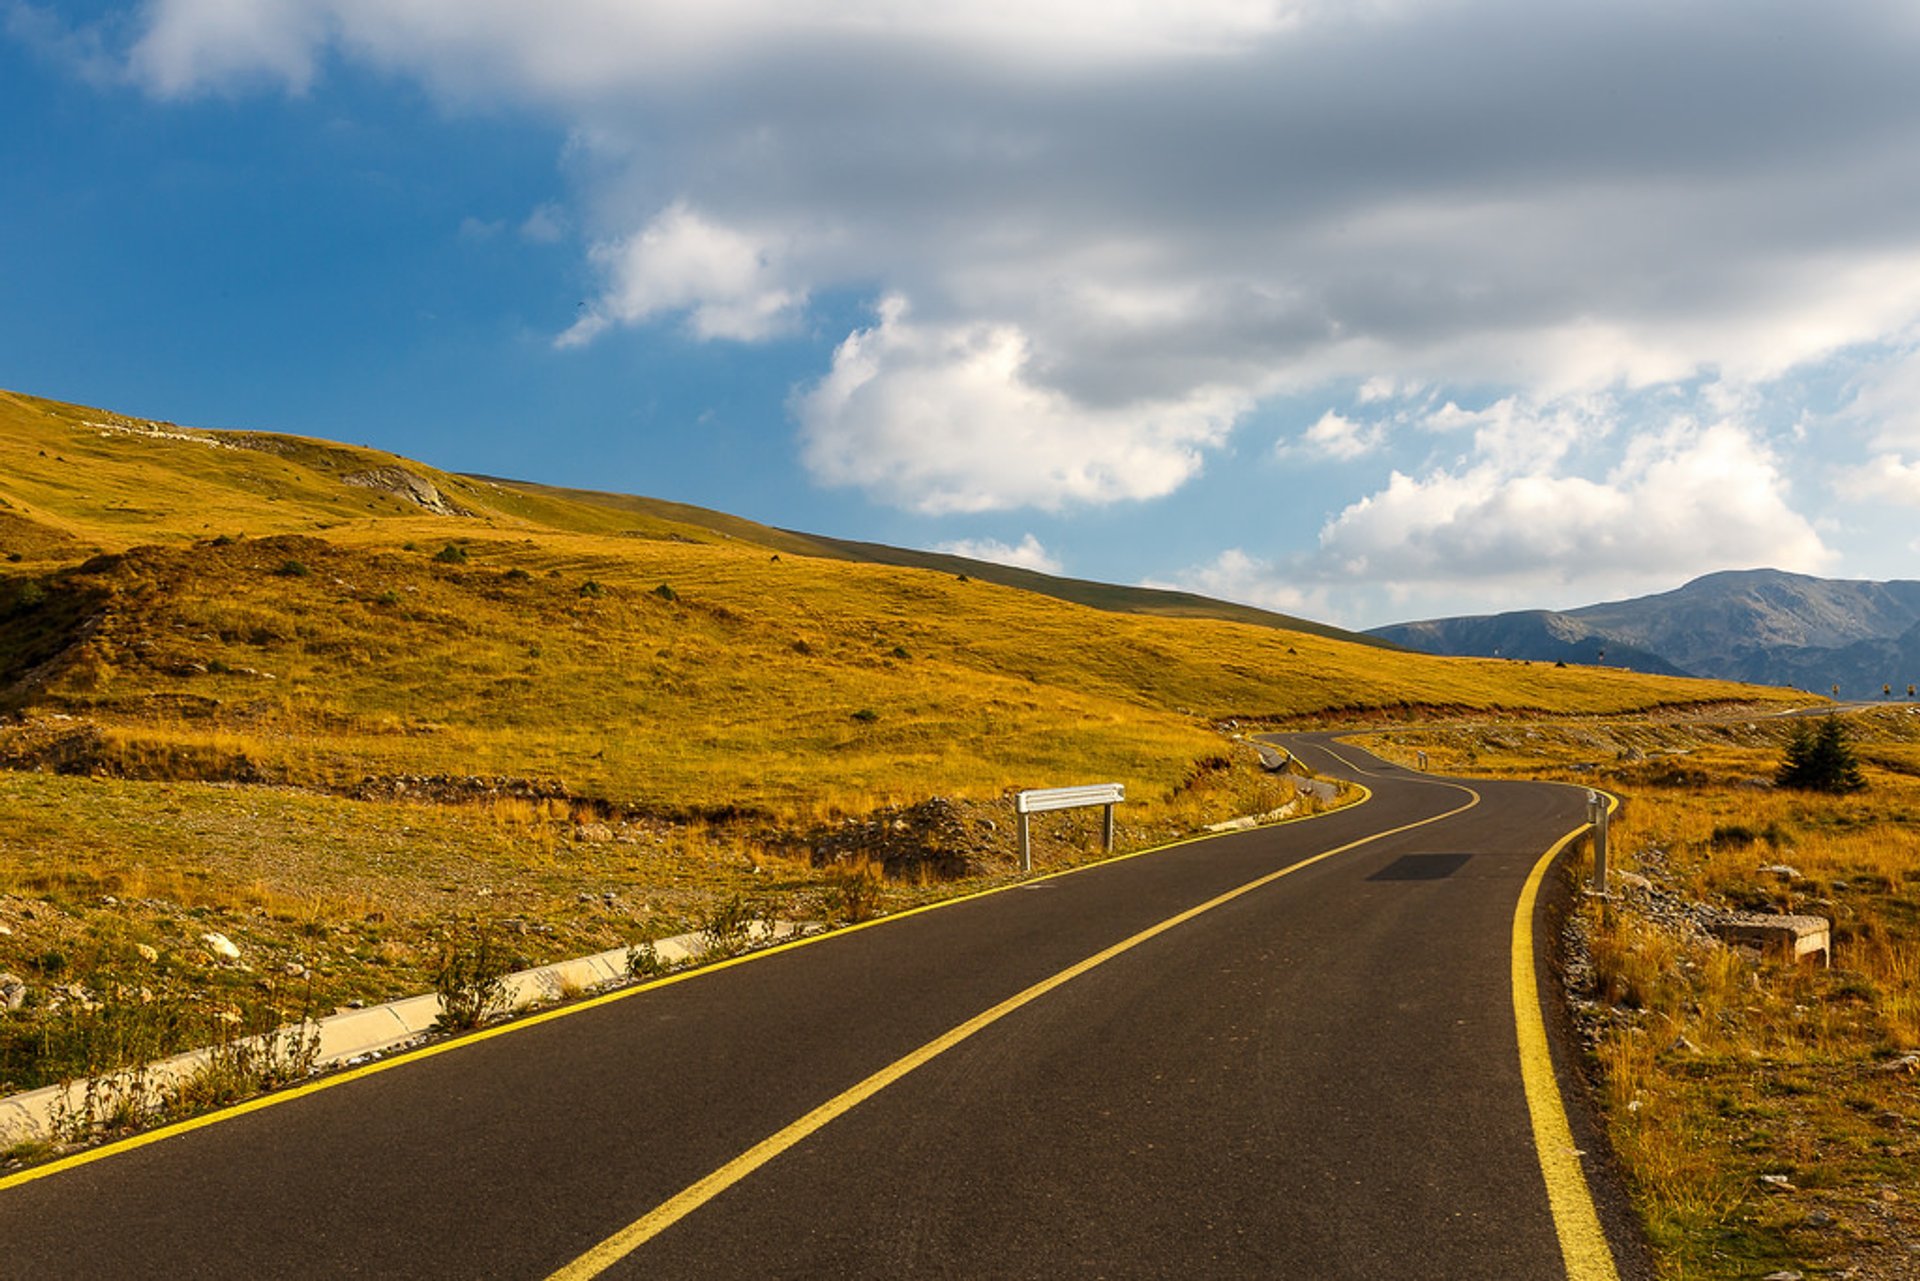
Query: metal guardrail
{"x": 1041, "y": 800}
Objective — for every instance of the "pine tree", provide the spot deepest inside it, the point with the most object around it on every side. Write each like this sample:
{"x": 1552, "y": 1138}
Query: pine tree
{"x": 1821, "y": 759}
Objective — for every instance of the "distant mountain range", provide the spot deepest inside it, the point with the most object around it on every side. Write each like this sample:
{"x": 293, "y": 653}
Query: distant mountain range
{"x": 1757, "y": 625}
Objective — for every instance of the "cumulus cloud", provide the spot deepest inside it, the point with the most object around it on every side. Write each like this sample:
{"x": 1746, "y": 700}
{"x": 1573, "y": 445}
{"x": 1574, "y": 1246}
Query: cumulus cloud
{"x": 1683, "y": 501}
{"x": 1029, "y": 553}
{"x": 726, "y": 281}
{"x": 1887, "y": 478}
{"x": 1335, "y": 436}
{"x": 1236, "y": 575}
{"x": 1121, "y": 226}
{"x": 951, "y": 418}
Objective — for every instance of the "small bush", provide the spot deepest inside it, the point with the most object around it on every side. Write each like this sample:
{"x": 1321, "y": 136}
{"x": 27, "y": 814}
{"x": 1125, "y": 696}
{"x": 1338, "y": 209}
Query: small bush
{"x": 388, "y": 597}
{"x": 866, "y": 716}
{"x": 517, "y": 575}
{"x": 293, "y": 569}
{"x": 591, "y": 588}
{"x": 851, "y": 897}
{"x": 29, "y": 595}
{"x": 643, "y": 962}
{"x": 14, "y": 558}
{"x": 665, "y": 592}
{"x": 451, "y": 554}
{"x": 727, "y": 929}
{"x": 471, "y": 981}
{"x": 900, "y": 651}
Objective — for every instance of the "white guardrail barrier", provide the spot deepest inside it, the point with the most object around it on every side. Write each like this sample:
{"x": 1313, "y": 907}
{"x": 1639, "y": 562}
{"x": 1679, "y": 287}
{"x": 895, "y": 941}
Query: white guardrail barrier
{"x": 1043, "y": 799}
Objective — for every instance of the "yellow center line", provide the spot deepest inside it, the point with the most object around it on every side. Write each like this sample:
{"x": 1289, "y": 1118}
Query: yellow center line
{"x": 1583, "y": 1244}
{"x": 661, "y": 1217}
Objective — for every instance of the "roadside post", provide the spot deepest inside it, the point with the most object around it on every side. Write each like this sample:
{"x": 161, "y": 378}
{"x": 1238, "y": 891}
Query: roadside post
{"x": 1597, "y": 815}
{"x": 1041, "y": 800}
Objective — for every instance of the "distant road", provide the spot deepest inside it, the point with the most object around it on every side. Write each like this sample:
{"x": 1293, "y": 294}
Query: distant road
{"x": 1284, "y": 1053}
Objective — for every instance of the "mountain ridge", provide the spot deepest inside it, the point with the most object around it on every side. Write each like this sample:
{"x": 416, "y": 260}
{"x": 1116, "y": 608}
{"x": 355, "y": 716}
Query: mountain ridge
{"x": 1765, "y": 626}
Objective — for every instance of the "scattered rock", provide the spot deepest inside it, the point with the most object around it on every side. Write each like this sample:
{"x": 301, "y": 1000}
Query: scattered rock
{"x": 1632, "y": 881}
{"x": 13, "y": 991}
{"x": 1776, "y": 1183}
{"x": 594, "y": 833}
{"x": 221, "y": 946}
{"x": 147, "y": 953}
{"x": 1781, "y": 870}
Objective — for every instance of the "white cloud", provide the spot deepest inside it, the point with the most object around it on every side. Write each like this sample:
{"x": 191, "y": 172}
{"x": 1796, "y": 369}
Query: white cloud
{"x": 1235, "y": 575}
{"x": 1684, "y": 501}
{"x": 949, "y": 418}
{"x": 1334, "y": 436}
{"x": 1028, "y": 554}
{"x": 1121, "y": 224}
{"x": 194, "y": 45}
{"x": 546, "y": 225}
{"x": 1887, "y": 478}
{"x": 728, "y": 282}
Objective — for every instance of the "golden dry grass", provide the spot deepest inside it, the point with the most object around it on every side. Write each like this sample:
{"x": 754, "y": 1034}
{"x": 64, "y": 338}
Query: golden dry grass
{"x": 1716, "y": 1068}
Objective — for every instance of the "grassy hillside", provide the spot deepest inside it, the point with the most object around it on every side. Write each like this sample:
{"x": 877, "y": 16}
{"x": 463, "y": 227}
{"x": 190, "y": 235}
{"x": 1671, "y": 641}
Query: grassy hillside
{"x": 329, "y": 702}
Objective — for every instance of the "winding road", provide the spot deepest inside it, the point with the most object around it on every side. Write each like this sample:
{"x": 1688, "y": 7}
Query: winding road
{"x": 1311, "y": 1050}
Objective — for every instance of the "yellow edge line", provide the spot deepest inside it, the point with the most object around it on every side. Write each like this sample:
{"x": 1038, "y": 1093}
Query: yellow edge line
{"x": 334, "y": 1080}
{"x": 1583, "y": 1244}
{"x": 641, "y": 1230}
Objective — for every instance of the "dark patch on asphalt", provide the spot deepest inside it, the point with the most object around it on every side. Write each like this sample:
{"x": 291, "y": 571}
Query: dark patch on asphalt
{"x": 1421, "y": 867}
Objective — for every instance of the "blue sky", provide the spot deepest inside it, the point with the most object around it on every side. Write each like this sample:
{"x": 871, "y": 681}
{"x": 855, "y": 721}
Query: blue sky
{"x": 1366, "y": 311}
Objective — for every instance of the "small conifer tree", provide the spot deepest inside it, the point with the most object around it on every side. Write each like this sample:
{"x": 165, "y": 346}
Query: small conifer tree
{"x": 1820, "y": 759}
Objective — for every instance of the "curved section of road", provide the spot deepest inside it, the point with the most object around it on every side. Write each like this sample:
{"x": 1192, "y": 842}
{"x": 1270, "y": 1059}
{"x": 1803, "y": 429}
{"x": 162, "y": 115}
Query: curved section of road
{"x": 1287, "y": 1052}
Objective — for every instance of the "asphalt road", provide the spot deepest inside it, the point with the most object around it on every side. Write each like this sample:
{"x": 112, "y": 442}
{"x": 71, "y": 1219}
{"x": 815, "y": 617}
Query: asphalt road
{"x": 1315, "y": 1077}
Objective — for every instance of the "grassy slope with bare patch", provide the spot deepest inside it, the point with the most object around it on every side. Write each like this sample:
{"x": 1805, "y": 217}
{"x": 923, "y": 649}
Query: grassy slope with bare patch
{"x": 212, "y": 644}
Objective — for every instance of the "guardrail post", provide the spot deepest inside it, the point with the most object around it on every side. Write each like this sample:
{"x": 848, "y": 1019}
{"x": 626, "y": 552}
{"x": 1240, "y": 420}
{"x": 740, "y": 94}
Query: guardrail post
{"x": 1597, "y": 815}
{"x": 1040, "y": 800}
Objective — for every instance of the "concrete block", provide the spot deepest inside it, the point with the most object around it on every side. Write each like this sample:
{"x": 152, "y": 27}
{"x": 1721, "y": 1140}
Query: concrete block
{"x": 1785, "y": 937}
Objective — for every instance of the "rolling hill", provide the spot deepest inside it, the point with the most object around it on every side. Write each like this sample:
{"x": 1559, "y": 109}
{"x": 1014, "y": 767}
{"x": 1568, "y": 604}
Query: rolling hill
{"x": 346, "y": 709}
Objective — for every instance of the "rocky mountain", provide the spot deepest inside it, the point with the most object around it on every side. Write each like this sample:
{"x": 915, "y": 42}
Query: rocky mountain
{"x": 1760, "y": 625}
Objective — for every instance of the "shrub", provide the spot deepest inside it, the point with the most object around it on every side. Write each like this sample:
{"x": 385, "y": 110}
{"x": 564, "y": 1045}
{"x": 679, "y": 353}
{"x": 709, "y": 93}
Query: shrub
{"x": 471, "y": 981}
{"x": 518, "y": 575}
{"x": 665, "y": 592}
{"x": 1821, "y": 759}
{"x": 292, "y": 569}
{"x": 643, "y": 961}
{"x": 866, "y": 716}
{"x": 29, "y": 595}
{"x": 727, "y": 929}
{"x": 591, "y": 588}
{"x": 851, "y": 897}
{"x": 451, "y": 554}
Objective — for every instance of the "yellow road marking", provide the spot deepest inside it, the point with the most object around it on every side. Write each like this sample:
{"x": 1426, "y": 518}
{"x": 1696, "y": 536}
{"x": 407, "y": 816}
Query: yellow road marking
{"x": 655, "y": 1221}
{"x": 334, "y": 1080}
{"x": 1583, "y": 1244}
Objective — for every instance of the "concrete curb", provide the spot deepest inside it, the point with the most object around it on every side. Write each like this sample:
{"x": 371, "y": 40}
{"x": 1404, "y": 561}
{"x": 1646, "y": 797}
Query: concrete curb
{"x": 346, "y": 1036}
